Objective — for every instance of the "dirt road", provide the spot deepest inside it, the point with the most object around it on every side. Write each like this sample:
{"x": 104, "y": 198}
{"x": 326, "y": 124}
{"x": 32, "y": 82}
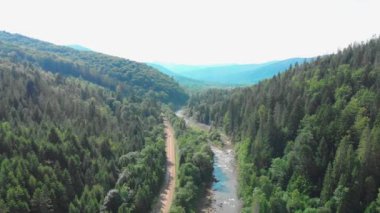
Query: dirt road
{"x": 167, "y": 194}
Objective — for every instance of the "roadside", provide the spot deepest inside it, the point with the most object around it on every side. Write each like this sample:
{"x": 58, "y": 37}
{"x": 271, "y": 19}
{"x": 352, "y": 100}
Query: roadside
{"x": 167, "y": 193}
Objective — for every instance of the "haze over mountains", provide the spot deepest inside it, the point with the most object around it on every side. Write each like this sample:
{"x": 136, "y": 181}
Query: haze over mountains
{"x": 227, "y": 75}
{"x": 189, "y": 83}
{"x": 198, "y": 77}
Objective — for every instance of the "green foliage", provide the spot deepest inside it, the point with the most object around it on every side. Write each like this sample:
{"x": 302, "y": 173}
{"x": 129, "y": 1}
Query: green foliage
{"x": 195, "y": 168}
{"x": 312, "y": 130}
{"x": 140, "y": 180}
{"x": 75, "y": 126}
{"x": 375, "y": 205}
{"x": 127, "y": 78}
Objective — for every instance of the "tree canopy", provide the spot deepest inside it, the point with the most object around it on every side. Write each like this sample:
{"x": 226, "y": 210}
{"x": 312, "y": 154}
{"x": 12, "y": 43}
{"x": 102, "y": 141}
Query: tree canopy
{"x": 79, "y": 131}
{"x": 307, "y": 139}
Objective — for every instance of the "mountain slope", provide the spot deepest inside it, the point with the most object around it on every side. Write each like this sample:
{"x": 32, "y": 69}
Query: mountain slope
{"x": 79, "y": 131}
{"x": 121, "y": 75}
{"x": 308, "y": 139}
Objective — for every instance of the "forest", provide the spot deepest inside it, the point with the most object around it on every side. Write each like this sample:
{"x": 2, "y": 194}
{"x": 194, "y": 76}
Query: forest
{"x": 308, "y": 139}
{"x": 126, "y": 78}
{"x": 79, "y": 131}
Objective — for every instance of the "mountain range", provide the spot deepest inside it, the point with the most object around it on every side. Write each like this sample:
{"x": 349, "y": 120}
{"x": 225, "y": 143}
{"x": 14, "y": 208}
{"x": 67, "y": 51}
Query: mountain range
{"x": 227, "y": 75}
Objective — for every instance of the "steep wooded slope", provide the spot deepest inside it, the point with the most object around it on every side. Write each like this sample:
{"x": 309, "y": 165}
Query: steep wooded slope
{"x": 79, "y": 131}
{"x": 126, "y": 77}
{"x": 309, "y": 138}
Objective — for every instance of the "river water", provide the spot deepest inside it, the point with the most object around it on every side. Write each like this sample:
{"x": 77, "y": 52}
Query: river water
{"x": 222, "y": 197}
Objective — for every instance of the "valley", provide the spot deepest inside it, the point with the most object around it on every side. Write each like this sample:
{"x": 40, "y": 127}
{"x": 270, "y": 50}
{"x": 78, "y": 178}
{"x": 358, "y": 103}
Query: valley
{"x": 82, "y": 131}
{"x": 222, "y": 196}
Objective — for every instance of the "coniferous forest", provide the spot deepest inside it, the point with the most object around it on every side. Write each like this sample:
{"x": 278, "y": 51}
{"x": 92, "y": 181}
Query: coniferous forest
{"x": 79, "y": 131}
{"x": 82, "y": 131}
{"x": 307, "y": 140}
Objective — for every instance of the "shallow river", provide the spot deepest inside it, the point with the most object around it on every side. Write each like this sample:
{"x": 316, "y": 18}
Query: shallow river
{"x": 223, "y": 193}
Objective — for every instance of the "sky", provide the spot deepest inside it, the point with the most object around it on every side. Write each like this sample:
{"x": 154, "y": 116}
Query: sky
{"x": 197, "y": 31}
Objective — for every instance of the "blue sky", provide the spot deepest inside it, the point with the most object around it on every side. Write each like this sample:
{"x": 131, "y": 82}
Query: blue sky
{"x": 197, "y": 31}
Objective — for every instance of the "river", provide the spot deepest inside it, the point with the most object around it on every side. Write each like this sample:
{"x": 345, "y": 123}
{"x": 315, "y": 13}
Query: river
{"x": 222, "y": 197}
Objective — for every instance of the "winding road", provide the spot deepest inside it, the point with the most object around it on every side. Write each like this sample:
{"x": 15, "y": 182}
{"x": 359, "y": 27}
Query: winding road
{"x": 167, "y": 193}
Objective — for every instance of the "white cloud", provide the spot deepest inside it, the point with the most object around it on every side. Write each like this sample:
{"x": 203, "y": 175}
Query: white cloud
{"x": 197, "y": 31}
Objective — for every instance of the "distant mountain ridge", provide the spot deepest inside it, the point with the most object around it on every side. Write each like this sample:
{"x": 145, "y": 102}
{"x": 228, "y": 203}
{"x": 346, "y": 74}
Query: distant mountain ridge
{"x": 188, "y": 82}
{"x": 78, "y": 47}
{"x": 232, "y": 74}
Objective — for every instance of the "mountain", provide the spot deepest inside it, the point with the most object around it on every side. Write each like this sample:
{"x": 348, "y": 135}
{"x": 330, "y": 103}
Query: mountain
{"x": 308, "y": 139}
{"x": 79, "y": 131}
{"x": 117, "y": 74}
{"x": 234, "y": 74}
{"x": 189, "y": 83}
{"x": 78, "y": 47}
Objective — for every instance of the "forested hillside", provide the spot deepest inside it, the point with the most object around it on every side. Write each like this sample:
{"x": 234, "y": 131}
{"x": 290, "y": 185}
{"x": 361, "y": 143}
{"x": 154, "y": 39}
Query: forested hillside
{"x": 79, "y": 131}
{"x": 127, "y": 78}
{"x": 307, "y": 139}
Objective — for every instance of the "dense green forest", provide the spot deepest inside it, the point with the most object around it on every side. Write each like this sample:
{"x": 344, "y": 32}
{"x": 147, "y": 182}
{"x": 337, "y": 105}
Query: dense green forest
{"x": 82, "y": 131}
{"x": 195, "y": 166}
{"x": 307, "y": 140}
{"x": 79, "y": 131}
{"x": 125, "y": 77}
